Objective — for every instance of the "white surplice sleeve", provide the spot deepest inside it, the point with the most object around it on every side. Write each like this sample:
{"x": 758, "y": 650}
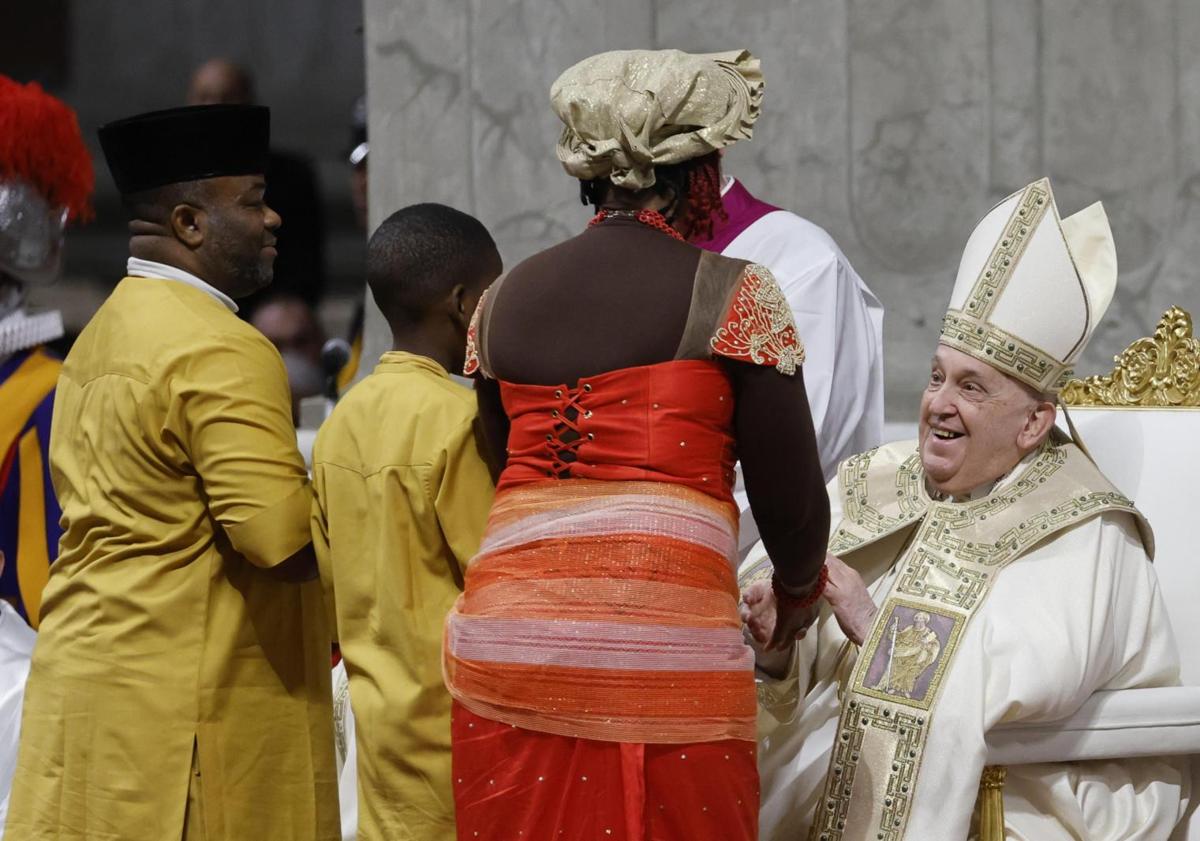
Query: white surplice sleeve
{"x": 1081, "y": 613}
{"x": 839, "y": 321}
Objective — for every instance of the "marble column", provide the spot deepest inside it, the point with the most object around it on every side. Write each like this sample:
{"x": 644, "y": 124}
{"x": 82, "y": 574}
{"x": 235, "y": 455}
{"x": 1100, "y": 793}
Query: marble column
{"x": 894, "y": 124}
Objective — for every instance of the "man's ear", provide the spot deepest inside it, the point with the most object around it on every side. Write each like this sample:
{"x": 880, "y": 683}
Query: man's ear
{"x": 188, "y": 224}
{"x": 1038, "y": 424}
{"x": 458, "y": 305}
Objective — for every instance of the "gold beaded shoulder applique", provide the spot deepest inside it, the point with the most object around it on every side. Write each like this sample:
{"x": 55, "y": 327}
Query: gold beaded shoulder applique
{"x": 471, "y": 366}
{"x": 758, "y": 326}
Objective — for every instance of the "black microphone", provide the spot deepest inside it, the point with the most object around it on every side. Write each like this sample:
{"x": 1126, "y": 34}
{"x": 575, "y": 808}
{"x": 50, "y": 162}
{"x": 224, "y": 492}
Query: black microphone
{"x": 335, "y": 353}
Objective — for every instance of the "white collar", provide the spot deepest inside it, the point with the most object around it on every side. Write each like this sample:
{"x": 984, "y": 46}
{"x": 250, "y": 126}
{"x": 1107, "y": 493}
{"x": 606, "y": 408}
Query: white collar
{"x": 137, "y": 267}
{"x": 727, "y": 182}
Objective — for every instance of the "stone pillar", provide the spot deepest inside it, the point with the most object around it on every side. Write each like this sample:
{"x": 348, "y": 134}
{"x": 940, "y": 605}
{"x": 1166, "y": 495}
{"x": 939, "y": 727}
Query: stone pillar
{"x": 893, "y": 124}
{"x": 458, "y": 99}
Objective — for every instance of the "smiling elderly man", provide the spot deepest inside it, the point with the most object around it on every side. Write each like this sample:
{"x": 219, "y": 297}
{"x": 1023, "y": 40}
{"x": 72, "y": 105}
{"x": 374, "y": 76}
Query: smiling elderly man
{"x": 1006, "y": 580}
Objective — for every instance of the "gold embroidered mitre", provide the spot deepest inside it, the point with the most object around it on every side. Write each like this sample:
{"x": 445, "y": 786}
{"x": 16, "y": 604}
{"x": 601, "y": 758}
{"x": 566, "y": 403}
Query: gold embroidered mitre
{"x": 1032, "y": 287}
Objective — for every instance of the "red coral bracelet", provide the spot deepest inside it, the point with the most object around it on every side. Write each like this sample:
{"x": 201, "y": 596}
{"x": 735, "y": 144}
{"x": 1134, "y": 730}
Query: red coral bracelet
{"x": 785, "y": 599}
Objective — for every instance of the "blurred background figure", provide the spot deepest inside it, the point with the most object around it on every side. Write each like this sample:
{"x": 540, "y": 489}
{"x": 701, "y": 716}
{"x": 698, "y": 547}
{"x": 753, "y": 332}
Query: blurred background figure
{"x": 46, "y": 181}
{"x": 291, "y": 191}
{"x": 290, "y": 324}
{"x": 357, "y": 158}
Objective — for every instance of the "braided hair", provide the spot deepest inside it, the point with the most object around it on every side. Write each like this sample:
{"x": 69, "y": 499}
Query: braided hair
{"x": 696, "y": 184}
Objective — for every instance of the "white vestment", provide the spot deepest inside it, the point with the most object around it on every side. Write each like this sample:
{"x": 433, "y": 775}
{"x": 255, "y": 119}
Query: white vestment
{"x": 345, "y": 751}
{"x": 1079, "y": 613}
{"x": 16, "y": 647}
{"x": 840, "y": 322}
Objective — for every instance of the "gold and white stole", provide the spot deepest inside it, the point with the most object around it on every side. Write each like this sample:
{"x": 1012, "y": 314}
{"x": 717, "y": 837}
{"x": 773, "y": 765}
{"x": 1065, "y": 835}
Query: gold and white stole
{"x": 945, "y": 574}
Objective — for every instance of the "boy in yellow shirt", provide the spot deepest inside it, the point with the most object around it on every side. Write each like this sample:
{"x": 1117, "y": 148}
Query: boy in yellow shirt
{"x": 402, "y": 494}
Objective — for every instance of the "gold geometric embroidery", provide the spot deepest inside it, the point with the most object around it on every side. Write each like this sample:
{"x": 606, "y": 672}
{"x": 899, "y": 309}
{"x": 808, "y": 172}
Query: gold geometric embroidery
{"x": 969, "y": 329}
{"x": 942, "y": 579}
{"x": 759, "y": 326}
{"x": 1007, "y": 253}
{"x": 945, "y": 574}
{"x": 908, "y": 729}
{"x": 1003, "y": 350}
{"x": 870, "y": 522}
{"x": 341, "y": 702}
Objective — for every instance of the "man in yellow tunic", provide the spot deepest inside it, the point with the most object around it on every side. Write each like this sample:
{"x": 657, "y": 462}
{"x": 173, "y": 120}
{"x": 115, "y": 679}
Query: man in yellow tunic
{"x": 180, "y": 683}
{"x": 402, "y": 498}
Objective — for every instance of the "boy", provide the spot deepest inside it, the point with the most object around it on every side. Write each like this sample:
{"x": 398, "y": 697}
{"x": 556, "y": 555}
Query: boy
{"x": 402, "y": 498}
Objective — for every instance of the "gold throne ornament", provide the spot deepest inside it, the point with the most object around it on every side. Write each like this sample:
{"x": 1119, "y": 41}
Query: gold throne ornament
{"x": 1162, "y": 371}
{"x": 1157, "y": 372}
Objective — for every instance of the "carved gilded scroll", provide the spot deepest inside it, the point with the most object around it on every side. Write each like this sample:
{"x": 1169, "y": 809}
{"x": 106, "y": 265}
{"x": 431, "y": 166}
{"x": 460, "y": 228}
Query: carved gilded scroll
{"x": 1161, "y": 371}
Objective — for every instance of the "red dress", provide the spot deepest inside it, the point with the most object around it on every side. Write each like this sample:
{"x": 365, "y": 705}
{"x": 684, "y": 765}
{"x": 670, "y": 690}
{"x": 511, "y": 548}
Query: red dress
{"x": 602, "y": 686}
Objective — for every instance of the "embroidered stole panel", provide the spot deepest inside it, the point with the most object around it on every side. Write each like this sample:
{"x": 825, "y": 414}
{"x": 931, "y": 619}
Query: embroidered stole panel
{"x": 945, "y": 574}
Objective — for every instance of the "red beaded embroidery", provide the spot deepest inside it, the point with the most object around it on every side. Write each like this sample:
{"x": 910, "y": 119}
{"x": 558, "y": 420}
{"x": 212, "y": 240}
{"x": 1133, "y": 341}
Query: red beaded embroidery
{"x": 650, "y": 218}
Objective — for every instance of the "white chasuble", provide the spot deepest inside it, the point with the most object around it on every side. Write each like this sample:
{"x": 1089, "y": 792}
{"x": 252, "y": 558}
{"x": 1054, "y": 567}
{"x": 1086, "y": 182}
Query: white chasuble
{"x": 1012, "y": 607}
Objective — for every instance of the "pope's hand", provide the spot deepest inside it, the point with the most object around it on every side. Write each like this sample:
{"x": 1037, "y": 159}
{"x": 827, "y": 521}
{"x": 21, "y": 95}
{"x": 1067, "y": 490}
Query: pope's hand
{"x": 852, "y": 604}
{"x": 771, "y": 628}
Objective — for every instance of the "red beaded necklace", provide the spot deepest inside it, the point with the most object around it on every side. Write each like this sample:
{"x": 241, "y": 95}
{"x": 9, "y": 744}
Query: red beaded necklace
{"x": 649, "y": 218}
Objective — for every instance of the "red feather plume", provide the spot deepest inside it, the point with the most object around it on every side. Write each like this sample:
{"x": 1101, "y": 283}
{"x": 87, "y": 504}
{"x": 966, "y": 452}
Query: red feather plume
{"x": 40, "y": 143}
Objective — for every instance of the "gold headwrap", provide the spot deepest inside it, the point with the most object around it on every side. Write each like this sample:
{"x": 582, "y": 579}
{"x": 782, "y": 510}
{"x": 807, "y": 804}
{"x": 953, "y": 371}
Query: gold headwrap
{"x": 627, "y": 111}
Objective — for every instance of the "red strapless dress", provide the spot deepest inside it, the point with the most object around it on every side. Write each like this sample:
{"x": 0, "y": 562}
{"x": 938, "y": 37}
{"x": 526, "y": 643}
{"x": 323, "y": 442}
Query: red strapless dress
{"x": 596, "y": 658}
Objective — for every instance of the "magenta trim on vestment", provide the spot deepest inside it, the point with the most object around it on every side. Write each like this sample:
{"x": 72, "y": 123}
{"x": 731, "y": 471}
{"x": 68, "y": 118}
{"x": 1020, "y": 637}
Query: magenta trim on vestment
{"x": 743, "y": 211}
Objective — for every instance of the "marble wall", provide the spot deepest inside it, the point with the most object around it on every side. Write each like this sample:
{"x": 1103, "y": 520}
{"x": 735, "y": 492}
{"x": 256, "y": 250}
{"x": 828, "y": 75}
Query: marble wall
{"x": 894, "y": 124}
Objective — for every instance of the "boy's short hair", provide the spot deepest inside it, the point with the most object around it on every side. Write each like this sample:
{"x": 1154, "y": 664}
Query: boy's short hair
{"x": 420, "y": 253}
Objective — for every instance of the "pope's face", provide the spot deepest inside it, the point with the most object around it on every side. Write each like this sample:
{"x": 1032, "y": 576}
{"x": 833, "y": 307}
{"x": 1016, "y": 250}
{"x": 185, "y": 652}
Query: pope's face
{"x": 976, "y": 423}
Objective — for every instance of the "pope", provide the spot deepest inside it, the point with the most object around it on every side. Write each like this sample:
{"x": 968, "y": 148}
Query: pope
{"x": 986, "y": 573}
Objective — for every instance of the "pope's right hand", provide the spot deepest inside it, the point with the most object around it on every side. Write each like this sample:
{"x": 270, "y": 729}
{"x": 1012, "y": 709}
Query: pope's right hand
{"x": 852, "y": 604}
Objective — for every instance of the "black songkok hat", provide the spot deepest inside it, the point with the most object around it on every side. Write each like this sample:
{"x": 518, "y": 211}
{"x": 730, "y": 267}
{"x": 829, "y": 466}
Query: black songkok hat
{"x": 186, "y": 144}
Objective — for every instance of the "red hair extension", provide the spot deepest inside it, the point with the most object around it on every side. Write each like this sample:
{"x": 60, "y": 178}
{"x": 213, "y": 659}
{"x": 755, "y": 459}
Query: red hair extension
{"x": 704, "y": 196}
{"x": 40, "y": 143}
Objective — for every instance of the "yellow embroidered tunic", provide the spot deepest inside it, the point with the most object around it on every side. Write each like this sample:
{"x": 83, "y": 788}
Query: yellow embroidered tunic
{"x": 402, "y": 498}
{"x": 175, "y": 463}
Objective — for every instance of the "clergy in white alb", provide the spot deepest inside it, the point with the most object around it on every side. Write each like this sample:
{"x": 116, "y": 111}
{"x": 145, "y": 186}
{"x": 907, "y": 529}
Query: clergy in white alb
{"x": 1006, "y": 580}
{"x": 839, "y": 317}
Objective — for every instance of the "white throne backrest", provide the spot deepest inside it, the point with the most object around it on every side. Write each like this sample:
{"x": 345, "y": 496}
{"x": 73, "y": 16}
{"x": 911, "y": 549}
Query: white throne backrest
{"x": 1153, "y": 457}
{"x": 1141, "y": 424}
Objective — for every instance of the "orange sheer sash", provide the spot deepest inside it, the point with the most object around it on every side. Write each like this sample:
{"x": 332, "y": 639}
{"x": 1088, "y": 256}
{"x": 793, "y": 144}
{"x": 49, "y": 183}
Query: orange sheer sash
{"x": 621, "y": 625}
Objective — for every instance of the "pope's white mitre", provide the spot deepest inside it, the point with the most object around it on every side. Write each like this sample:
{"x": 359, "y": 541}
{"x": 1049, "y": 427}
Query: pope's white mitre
{"x": 1032, "y": 287}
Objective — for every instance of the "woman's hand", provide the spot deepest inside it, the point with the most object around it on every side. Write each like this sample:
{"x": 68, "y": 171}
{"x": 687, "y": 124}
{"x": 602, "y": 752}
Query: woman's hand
{"x": 852, "y": 604}
{"x": 773, "y": 629}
